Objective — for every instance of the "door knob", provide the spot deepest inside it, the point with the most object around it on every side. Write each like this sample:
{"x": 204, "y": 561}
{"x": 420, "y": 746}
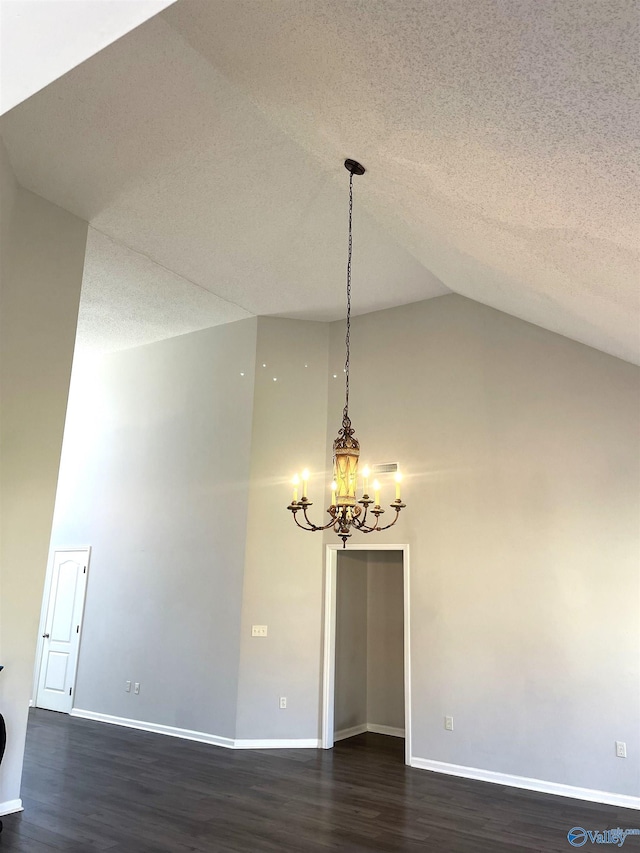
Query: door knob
{"x": 46, "y": 636}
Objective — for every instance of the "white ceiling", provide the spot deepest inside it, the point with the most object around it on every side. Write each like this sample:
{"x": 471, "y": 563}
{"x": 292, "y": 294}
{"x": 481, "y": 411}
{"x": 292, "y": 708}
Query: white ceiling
{"x": 500, "y": 138}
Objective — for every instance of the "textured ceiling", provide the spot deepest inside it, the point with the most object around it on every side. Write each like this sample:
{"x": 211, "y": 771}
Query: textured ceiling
{"x": 500, "y": 138}
{"x": 128, "y": 300}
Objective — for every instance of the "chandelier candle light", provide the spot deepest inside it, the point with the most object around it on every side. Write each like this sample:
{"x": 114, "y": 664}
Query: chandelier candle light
{"x": 347, "y": 513}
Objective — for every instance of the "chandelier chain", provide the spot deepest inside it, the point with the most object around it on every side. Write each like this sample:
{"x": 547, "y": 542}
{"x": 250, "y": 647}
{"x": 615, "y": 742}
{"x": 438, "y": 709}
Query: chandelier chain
{"x": 346, "y": 422}
{"x": 346, "y": 513}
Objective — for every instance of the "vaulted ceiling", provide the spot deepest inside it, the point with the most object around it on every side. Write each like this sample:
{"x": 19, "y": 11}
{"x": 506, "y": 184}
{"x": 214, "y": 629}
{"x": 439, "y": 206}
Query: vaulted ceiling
{"x": 205, "y": 148}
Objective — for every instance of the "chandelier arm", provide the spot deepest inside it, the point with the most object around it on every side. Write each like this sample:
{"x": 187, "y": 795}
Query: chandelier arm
{"x": 360, "y": 523}
{"x": 367, "y": 528}
{"x": 392, "y": 523}
{"x": 301, "y": 526}
{"x": 313, "y": 526}
{"x": 327, "y": 526}
{"x": 364, "y": 516}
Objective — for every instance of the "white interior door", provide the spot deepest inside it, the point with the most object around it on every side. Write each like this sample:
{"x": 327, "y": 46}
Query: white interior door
{"x": 61, "y": 636}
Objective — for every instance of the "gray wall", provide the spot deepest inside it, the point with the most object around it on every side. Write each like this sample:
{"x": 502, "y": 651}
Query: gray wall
{"x": 350, "y": 692}
{"x": 521, "y": 457}
{"x": 42, "y": 255}
{"x": 154, "y": 477}
{"x": 385, "y": 639}
{"x": 283, "y": 567}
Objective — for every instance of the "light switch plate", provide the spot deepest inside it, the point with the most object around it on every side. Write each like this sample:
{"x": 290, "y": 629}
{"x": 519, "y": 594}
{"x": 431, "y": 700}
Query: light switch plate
{"x": 258, "y": 630}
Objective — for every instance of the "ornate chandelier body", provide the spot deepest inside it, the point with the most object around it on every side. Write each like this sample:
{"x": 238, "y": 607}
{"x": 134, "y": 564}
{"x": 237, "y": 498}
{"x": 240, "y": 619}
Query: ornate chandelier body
{"x": 346, "y": 511}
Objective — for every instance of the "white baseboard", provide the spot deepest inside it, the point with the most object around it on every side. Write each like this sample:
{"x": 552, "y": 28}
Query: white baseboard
{"x": 594, "y": 796}
{"x": 276, "y": 743}
{"x": 540, "y": 785}
{"x": 351, "y": 732}
{"x": 385, "y": 730}
{"x": 201, "y": 737}
{"x": 367, "y": 727}
{"x": 10, "y": 807}
{"x": 157, "y": 728}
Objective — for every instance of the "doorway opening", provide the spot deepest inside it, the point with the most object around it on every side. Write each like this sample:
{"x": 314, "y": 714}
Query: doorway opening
{"x": 366, "y": 682}
{"x": 60, "y": 629}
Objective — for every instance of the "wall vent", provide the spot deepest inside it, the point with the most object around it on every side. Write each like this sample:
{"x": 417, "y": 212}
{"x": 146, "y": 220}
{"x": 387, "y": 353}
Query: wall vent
{"x": 385, "y": 468}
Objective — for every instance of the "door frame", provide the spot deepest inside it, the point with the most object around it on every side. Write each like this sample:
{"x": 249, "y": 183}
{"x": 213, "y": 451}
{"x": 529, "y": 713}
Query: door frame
{"x": 329, "y": 640}
{"x": 46, "y": 594}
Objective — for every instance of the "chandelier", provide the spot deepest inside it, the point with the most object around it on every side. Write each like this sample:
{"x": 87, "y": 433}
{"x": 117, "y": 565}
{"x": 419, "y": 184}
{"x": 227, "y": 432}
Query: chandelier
{"x": 346, "y": 512}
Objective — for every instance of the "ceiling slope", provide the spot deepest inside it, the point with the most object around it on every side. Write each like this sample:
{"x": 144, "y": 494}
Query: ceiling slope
{"x": 128, "y": 300}
{"x": 499, "y": 138}
{"x": 501, "y": 135}
{"x": 160, "y": 152}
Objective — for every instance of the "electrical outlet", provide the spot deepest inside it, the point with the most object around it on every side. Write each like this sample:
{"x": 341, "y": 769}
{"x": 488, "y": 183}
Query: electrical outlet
{"x": 621, "y": 749}
{"x": 127, "y": 687}
{"x": 258, "y": 630}
{"x": 136, "y": 688}
{"x": 283, "y": 701}
{"x": 448, "y": 723}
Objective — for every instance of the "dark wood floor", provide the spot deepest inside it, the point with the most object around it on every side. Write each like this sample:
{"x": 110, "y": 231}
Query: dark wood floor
{"x": 91, "y": 786}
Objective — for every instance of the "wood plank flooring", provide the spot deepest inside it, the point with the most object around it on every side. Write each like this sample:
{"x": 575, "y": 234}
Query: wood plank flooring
{"x": 95, "y": 787}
